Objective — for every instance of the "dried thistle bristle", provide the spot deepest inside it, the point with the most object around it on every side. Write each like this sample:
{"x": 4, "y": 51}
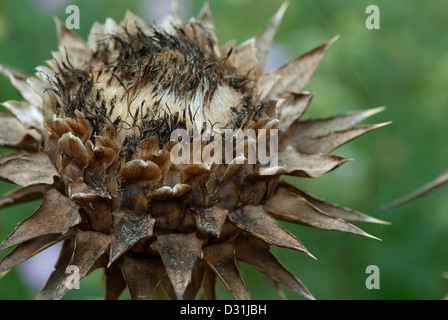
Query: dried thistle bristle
{"x": 95, "y": 142}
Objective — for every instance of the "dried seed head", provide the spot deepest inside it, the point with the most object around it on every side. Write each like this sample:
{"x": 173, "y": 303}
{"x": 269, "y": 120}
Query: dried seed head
{"x": 95, "y": 135}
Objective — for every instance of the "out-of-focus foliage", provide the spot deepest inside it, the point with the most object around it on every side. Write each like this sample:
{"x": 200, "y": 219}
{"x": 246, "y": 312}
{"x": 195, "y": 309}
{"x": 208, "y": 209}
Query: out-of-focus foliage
{"x": 403, "y": 66}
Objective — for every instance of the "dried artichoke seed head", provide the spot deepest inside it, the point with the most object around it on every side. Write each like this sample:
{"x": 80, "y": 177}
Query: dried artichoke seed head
{"x": 94, "y": 136}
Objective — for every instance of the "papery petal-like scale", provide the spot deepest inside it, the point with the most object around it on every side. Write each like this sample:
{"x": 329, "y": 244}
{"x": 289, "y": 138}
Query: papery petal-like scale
{"x": 256, "y": 221}
{"x": 22, "y": 195}
{"x": 89, "y": 247}
{"x": 179, "y": 253}
{"x": 28, "y": 249}
{"x": 29, "y": 169}
{"x": 256, "y": 253}
{"x": 48, "y": 290}
{"x": 55, "y": 216}
{"x": 221, "y": 257}
{"x": 310, "y": 165}
{"x": 13, "y": 134}
{"x": 290, "y": 207}
{"x": 296, "y": 73}
{"x": 142, "y": 276}
{"x": 19, "y": 81}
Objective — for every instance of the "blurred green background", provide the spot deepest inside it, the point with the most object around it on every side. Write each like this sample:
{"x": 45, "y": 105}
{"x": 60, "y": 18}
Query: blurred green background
{"x": 403, "y": 66}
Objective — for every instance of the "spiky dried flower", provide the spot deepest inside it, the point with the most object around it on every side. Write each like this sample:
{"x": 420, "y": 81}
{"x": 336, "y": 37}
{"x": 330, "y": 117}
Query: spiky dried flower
{"x": 93, "y": 140}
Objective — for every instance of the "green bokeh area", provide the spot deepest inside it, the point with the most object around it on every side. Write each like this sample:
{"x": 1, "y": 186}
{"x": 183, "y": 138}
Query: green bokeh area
{"x": 403, "y": 66}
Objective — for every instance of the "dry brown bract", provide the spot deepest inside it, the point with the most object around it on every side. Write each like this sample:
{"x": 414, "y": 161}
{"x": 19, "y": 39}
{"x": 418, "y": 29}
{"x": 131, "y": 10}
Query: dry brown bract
{"x": 421, "y": 192}
{"x": 93, "y": 141}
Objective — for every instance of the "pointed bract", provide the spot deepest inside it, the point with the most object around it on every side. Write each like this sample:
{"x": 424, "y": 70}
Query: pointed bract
{"x": 195, "y": 284}
{"x": 29, "y": 115}
{"x": 22, "y": 195}
{"x": 255, "y": 220}
{"x": 205, "y": 17}
{"x": 29, "y": 169}
{"x": 48, "y": 290}
{"x": 296, "y": 74}
{"x": 287, "y": 206}
{"x": 175, "y": 11}
{"x": 210, "y": 221}
{"x": 209, "y": 283}
{"x": 293, "y": 108}
{"x": 142, "y": 276}
{"x": 327, "y": 143}
{"x": 325, "y": 135}
{"x": 179, "y": 253}
{"x": 309, "y": 165}
{"x": 115, "y": 282}
{"x": 255, "y": 252}
{"x": 221, "y": 257}
{"x": 324, "y": 126}
{"x": 263, "y": 40}
{"x": 89, "y": 247}
{"x": 423, "y": 191}
{"x": 246, "y": 60}
{"x": 14, "y": 135}
{"x": 332, "y": 209}
{"x": 67, "y": 38}
{"x": 128, "y": 229}
{"x": 55, "y": 215}
{"x": 19, "y": 81}
{"x": 26, "y": 250}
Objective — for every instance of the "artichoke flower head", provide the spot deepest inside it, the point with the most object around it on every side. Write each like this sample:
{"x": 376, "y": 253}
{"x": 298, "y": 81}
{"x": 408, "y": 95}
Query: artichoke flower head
{"x": 94, "y": 141}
